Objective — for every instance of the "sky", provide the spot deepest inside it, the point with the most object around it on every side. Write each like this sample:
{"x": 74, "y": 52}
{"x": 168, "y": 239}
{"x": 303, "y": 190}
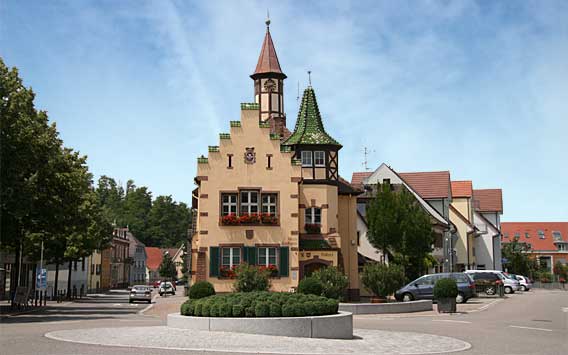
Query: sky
{"x": 479, "y": 88}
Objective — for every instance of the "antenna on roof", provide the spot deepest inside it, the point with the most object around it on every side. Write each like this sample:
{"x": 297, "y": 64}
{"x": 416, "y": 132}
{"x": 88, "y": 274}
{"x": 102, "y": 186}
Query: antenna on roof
{"x": 366, "y": 153}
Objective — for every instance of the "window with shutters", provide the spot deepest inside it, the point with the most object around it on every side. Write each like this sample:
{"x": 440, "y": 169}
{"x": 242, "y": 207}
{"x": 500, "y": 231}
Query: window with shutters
{"x": 249, "y": 202}
{"x": 228, "y": 204}
{"x": 230, "y": 257}
{"x": 266, "y": 256}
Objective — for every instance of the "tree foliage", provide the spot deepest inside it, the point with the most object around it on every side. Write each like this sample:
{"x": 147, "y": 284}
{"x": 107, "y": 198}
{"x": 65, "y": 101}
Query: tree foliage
{"x": 517, "y": 259}
{"x": 381, "y": 279}
{"x": 168, "y": 267}
{"x": 399, "y": 225}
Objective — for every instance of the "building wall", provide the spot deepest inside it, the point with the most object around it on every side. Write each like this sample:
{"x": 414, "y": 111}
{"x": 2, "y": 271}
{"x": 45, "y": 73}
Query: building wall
{"x": 94, "y": 276}
{"x": 460, "y": 246}
{"x": 348, "y": 232}
{"x": 79, "y": 276}
{"x": 282, "y": 178}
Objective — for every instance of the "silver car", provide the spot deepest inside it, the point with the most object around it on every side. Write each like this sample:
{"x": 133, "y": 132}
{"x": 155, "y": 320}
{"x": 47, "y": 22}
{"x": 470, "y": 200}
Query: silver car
{"x": 140, "y": 293}
{"x": 525, "y": 282}
{"x": 511, "y": 285}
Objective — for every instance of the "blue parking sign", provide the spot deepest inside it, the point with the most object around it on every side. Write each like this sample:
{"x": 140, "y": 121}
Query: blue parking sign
{"x": 41, "y": 279}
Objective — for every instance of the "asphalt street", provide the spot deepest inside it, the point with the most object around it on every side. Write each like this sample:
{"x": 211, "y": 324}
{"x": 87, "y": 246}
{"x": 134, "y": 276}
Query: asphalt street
{"x": 535, "y": 322}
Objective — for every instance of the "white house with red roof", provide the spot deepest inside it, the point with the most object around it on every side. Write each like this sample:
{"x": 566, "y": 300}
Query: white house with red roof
{"x": 548, "y": 241}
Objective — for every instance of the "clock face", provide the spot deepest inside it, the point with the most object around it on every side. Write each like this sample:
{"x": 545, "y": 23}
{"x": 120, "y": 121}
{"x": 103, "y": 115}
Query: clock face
{"x": 269, "y": 85}
{"x": 250, "y": 156}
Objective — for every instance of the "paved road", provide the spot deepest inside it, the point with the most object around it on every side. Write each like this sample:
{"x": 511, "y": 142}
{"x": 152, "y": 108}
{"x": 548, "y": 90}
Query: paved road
{"x": 530, "y": 323}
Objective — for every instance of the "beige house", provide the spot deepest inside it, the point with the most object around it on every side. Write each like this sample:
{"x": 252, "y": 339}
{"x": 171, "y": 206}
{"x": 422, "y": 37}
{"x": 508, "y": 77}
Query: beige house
{"x": 272, "y": 198}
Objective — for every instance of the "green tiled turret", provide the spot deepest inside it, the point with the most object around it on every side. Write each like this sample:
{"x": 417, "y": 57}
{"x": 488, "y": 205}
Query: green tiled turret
{"x": 309, "y": 126}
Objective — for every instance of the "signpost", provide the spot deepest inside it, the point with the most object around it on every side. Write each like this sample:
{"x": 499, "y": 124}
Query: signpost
{"x": 41, "y": 279}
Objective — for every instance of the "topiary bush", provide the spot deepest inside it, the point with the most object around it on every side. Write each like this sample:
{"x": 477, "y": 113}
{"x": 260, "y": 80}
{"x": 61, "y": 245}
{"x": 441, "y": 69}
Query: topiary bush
{"x": 201, "y": 289}
{"x": 310, "y": 286}
{"x": 445, "y": 288}
{"x": 260, "y": 304}
{"x": 334, "y": 282}
{"x": 251, "y": 278}
{"x": 381, "y": 279}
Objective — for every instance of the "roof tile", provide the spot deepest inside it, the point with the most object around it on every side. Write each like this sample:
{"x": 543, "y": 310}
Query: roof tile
{"x": 462, "y": 188}
{"x": 488, "y": 200}
{"x": 429, "y": 184}
{"x": 509, "y": 229}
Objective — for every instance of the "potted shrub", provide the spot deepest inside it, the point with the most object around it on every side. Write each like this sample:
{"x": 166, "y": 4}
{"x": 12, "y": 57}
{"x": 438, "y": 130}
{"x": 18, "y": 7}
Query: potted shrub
{"x": 445, "y": 293}
{"x": 312, "y": 228}
{"x": 382, "y": 280}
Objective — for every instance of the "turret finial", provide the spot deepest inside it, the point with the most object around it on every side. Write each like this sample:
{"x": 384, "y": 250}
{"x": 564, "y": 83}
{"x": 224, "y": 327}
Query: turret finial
{"x": 267, "y": 22}
{"x": 309, "y": 78}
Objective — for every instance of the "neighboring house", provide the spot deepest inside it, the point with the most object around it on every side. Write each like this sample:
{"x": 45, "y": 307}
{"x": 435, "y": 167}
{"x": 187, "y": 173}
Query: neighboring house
{"x": 95, "y": 270}
{"x": 79, "y": 276}
{"x": 437, "y": 191}
{"x": 120, "y": 261}
{"x": 461, "y": 215}
{"x": 548, "y": 241}
{"x": 154, "y": 257}
{"x": 177, "y": 255}
{"x": 137, "y": 254}
{"x": 308, "y": 213}
{"x": 488, "y": 203}
{"x": 9, "y": 276}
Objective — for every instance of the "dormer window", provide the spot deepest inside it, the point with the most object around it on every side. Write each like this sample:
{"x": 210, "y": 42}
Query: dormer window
{"x": 541, "y": 234}
{"x": 556, "y": 236}
{"x": 306, "y": 158}
{"x": 319, "y": 158}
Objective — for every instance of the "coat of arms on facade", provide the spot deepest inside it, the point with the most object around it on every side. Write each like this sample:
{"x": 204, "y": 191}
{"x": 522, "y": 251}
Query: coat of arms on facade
{"x": 250, "y": 156}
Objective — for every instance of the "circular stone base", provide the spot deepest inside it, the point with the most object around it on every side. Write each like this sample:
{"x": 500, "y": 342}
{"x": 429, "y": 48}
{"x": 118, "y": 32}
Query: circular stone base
{"x": 162, "y": 337}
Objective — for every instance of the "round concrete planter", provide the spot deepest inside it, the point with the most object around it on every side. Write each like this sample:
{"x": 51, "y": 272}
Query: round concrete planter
{"x": 335, "y": 326}
{"x": 385, "y": 308}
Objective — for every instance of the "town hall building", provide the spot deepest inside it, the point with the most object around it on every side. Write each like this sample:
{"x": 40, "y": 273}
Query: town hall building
{"x": 274, "y": 198}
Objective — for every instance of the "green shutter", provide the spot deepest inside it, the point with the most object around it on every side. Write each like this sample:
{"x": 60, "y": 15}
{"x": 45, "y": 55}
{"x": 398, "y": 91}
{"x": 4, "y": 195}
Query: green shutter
{"x": 249, "y": 255}
{"x": 284, "y": 262}
{"x": 214, "y": 261}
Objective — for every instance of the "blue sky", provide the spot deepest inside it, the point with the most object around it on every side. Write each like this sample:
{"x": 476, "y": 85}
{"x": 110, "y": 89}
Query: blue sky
{"x": 479, "y": 88}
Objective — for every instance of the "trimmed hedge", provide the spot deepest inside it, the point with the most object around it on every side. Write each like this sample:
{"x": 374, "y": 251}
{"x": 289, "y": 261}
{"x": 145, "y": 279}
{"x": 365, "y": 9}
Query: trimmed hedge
{"x": 201, "y": 289}
{"x": 310, "y": 286}
{"x": 260, "y": 304}
{"x": 445, "y": 288}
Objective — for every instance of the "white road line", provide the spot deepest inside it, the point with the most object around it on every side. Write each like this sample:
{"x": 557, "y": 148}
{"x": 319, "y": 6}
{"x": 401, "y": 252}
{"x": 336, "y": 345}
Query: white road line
{"x": 150, "y": 305}
{"x": 531, "y": 328}
{"x": 565, "y": 309}
{"x": 450, "y": 320}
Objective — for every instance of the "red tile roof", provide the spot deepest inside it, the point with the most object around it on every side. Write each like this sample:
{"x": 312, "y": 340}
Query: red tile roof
{"x": 268, "y": 60}
{"x": 154, "y": 257}
{"x": 488, "y": 200}
{"x": 429, "y": 184}
{"x": 358, "y": 177}
{"x": 509, "y": 229}
{"x": 462, "y": 188}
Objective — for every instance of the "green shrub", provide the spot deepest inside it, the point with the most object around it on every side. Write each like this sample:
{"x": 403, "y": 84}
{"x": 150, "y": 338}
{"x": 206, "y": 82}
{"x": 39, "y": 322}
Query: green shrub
{"x": 238, "y": 310}
{"x": 260, "y": 304}
{"x": 251, "y": 278}
{"x": 334, "y": 282}
{"x": 201, "y": 289}
{"x": 381, "y": 279}
{"x": 262, "y": 309}
{"x": 311, "y": 286}
{"x": 445, "y": 288}
{"x": 275, "y": 310}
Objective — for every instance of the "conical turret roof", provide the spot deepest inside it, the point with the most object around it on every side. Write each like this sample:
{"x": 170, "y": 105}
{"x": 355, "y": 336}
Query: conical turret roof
{"x": 309, "y": 126}
{"x": 268, "y": 60}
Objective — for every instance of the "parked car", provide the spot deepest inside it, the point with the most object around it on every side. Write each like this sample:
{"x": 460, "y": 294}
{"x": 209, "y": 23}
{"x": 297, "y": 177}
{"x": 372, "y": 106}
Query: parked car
{"x": 156, "y": 284}
{"x": 140, "y": 293}
{"x": 525, "y": 282}
{"x": 511, "y": 285}
{"x": 423, "y": 287}
{"x": 167, "y": 288}
{"x": 487, "y": 281}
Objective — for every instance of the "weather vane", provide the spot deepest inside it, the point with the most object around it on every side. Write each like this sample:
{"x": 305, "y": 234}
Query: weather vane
{"x": 310, "y": 77}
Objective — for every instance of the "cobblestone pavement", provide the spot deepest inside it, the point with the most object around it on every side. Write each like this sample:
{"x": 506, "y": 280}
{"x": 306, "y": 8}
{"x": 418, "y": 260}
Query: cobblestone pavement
{"x": 365, "y": 342}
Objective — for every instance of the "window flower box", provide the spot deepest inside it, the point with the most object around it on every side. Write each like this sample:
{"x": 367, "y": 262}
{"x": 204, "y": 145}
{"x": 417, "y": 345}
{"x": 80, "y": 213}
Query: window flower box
{"x": 230, "y": 220}
{"x": 268, "y": 218}
{"x": 253, "y": 218}
{"x": 228, "y": 273}
{"x": 312, "y": 228}
{"x": 272, "y": 269}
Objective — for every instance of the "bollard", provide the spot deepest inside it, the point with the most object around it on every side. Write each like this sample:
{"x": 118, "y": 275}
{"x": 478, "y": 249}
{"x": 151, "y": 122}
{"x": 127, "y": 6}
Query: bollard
{"x": 35, "y": 298}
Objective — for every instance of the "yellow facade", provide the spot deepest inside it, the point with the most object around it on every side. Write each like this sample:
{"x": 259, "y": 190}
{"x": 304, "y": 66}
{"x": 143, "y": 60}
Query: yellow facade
{"x": 462, "y": 218}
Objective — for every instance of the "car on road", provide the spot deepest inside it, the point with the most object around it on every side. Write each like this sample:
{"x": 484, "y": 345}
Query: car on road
{"x": 140, "y": 293}
{"x": 167, "y": 288}
{"x": 423, "y": 287}
{"x": 511, "y": 285}
{"x": 525, "y": 282}
{"x": 156, "y": 284}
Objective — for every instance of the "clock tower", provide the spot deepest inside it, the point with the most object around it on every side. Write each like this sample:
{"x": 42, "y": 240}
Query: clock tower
{"x": 269, "y": 86}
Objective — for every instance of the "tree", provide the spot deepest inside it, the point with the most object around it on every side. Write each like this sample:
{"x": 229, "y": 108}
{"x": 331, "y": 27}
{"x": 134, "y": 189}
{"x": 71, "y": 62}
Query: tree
{"x": 135, "y": 210}
{"x": 168, "y": 267}
{"x": 517, "y": 260}
{"x": 168, "y": 222}
{"x": 382, "y": 279}
{"x": 399, "y": 225}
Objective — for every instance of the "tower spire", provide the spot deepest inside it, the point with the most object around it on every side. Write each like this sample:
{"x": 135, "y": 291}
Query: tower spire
{"x": 267, "y": 22}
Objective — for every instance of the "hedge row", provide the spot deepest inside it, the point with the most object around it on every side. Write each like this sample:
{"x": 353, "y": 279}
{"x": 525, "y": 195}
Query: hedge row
{"x": 260, "y": 304}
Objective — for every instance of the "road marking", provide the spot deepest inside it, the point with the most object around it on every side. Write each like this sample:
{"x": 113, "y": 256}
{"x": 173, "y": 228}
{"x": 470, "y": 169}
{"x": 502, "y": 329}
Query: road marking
{"x": 149, "y": 306}
{"x": 450, "y": 320}
{"x": 531, "y": 328}
{"x": 490, "y": 304}
{"x": 117, "y": 304}
{"x": 565, "y": 309}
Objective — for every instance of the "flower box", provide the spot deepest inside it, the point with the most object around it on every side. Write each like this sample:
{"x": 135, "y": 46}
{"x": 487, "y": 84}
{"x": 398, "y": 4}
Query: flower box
{"x": 253, "y": 218}
{"x": 249, "y": 219}
{"x": 271, "y": 268}
{"x": 267, "y": 218}
{"x": 230, "y": 220}
{"x": 313, "y": 228}
{"x": 228, "y": 273}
